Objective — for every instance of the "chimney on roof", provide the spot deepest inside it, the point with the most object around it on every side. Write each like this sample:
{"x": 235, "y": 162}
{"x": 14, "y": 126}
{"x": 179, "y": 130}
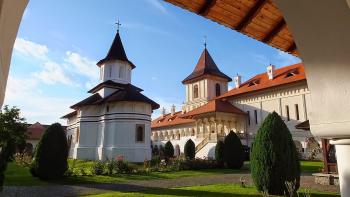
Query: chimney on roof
{"x": 163, "y": 112}
{"x": 172, "y": 110}
{"x": 270, "y": 71}
{"x": 237, "y": 79}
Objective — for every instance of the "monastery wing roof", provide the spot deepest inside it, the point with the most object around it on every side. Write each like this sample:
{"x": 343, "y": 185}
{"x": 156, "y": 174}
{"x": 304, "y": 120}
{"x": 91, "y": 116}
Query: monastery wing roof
{"x": 205, "y": 66}
{"x": 169, "y": 120}
{"x": 213, "y": 106}
{"x": 91, "y": 100}
{"x": 129, "y": 93}
{"x": 74, "y": 113}
{"x": 36, "y": 130}
{"x": 116, "y": 52}
{"x": 285, "y": 75}
{"x": 112, "y": 84}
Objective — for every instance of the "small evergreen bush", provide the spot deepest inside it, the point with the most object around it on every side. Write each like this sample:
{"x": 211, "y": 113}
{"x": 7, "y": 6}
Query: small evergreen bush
{"x": 50, "y": 159}
{"x": 219, "y": 153}
{"x": 98, "y": 168}
{"x": 233, "y": 151}
{"x": 190, "y": 150}
{"x": 274, "y": 158}
{"x": 168, "y": 150}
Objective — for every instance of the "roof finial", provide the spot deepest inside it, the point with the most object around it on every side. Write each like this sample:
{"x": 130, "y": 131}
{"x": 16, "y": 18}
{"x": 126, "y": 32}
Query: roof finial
{"x": 205, "y": 41}
{"x": 118, "y": 25}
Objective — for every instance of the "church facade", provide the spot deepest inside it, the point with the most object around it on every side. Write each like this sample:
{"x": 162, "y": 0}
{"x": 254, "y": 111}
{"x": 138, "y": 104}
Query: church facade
{"x": 116, "y": 119}
{"x": 210, "y": 111}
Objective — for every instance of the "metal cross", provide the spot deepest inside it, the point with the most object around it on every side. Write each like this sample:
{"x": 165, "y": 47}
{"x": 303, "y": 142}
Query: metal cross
{"x": 205, "y": 41}
{"x": 118, "y": 25}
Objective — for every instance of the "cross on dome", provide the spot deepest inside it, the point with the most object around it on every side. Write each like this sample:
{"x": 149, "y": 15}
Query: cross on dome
{"x": 118, "y": 25}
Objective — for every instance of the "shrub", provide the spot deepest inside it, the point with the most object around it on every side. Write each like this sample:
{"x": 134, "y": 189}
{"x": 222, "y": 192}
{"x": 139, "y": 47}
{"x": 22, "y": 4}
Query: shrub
{"x": 190, "y": 149}
{"x": 98, "y": 168}
{"x": 219, "y": 153}
{"x": 274, "y": 158}
{"x": 168, "y": 150}
{"x": 197, "y": 164}
{"x": 23, "y": 159}
{"x": 233, "y": 151}
{"x": 50, "y": 160}
{"x": 111, "y": 166}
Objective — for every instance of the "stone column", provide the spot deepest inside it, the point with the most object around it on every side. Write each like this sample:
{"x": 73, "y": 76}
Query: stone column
{"x": 342, "y": 147}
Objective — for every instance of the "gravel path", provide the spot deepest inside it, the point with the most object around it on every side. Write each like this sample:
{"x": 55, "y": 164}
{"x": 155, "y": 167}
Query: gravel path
{"x": 307, "y": 181}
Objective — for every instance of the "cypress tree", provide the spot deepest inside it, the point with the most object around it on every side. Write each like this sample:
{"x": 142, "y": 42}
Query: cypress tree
{"x": 168, "y": 150}
{"x": 274, "y": 159}
{"x": 50, "y": 159}
{"x": 219, "y": 153}
{"x": 233, "y": 151}
{"x": 190, "y": 149}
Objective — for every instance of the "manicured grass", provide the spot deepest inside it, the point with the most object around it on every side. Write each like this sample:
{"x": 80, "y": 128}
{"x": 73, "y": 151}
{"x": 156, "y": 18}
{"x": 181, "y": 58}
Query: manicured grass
{"x": 311, "y": 166}
{"x": 217, "y": 190}
{"x": 17, "y": 175}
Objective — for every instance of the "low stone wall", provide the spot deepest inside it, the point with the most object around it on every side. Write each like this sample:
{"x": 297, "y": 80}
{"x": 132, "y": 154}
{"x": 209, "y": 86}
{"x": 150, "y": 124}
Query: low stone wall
{"x": 326, "y": 179}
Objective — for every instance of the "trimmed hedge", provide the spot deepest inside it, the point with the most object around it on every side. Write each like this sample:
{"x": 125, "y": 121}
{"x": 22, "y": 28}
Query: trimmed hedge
{"x": 168, "y": 150}
{"x": 50, "y": 159}
{"x": 274, "y": 158}
{"x": 233, "y": 151}
{"x": 219, "y": 153}
{"x": 190, "y": 150}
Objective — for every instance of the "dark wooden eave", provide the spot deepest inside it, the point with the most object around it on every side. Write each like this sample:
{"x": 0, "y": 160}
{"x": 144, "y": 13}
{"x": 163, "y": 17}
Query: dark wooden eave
{"x": 279, "y": 26}
{"x": 206, "y": 7}
{"x": 250, "y": 15}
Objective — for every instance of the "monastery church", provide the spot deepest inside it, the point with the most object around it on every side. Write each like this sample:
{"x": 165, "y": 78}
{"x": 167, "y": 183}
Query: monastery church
{"x": 116, "y": 119}
{"x": 210, "y": 111}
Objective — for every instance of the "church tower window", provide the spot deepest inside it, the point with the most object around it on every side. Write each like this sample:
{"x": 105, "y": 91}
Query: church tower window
{"x": 140, "y": 133}
{"x": 195, "y": 91}
{"x": 217, "y": 89}
{"x": 121, "y": 71}
{"x": 110, "y": 71}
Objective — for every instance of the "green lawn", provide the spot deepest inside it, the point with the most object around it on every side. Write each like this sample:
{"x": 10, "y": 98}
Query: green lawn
{"x": 17, "y": 175}
{"x": 217, "y": 190}
{"x": 311, "y": 166}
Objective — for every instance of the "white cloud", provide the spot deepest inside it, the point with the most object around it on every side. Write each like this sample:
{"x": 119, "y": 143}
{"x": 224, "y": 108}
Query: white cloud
{"x": 35, "y": 106}
{"x": 52, "y": 74}
{"x": 82, "y": 65}
{"x": 166, "y": 103}
{"x": 154, "y": 78}
{"x": 29, "y": 48}
{"x": 285, "y": 59}
{"x": 158, "y": 5}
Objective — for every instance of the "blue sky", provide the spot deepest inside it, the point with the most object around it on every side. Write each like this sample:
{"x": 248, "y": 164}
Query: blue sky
{"x": 59, "y": 43}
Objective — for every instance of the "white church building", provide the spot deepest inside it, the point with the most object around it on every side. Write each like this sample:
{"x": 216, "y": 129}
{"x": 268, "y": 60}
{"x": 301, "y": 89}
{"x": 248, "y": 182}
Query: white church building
{"x": 210, "y": 111}
{"x": 116, "y": 119}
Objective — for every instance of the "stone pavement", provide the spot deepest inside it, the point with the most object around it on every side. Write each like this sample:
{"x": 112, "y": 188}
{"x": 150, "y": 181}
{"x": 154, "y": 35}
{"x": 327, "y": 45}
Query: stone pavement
{"x": 307, "y": 181}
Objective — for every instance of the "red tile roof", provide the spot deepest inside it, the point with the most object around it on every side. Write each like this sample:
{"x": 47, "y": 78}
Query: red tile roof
{"x": 35, "y": 131}
{"x": 169, "y": 120}
{"x": 205, "y": 67}
{"x": 213, "y": 106}
{"x": 285, "y": 75}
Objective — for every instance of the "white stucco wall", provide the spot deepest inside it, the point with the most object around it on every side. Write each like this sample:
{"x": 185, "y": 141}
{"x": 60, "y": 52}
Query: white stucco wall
{"x": 109, "y": 134}
{"x": 118, "y": 71}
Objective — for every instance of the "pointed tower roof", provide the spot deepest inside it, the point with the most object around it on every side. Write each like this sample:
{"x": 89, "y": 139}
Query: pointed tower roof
{"x": 116, "y": 52}
{"x": 205, "y": 66}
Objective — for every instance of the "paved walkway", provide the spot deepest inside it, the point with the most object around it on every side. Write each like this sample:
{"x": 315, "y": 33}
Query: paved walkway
{"x": 86, "y": 189}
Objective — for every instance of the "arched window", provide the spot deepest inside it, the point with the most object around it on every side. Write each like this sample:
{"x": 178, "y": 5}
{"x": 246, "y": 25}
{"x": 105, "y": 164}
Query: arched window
{"x": 140, "y": 133}
{"x": 121, "y": 71}
{"x": 217, "y": 89}
{"x": 195, "y": 91}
